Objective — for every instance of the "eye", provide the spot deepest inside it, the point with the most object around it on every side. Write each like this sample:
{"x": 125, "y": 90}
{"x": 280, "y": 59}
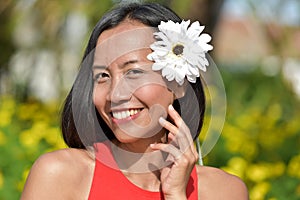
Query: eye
{"x": 134, "y": 73}
{"x": 101, "y": 77}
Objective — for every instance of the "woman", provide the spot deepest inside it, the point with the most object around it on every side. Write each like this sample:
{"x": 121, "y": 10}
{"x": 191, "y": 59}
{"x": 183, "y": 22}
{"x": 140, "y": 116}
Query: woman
{"x": 122, "y": 122}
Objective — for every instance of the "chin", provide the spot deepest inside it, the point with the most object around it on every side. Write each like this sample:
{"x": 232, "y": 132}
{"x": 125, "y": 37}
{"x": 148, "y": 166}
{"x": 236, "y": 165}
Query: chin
{"x": 126, "y": 139}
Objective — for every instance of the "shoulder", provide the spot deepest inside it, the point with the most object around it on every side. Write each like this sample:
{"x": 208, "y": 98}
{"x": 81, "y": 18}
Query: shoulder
{"x": 214, "y": 183}
{"x": 63, "y": 161}
{"x": 55, "y": 174}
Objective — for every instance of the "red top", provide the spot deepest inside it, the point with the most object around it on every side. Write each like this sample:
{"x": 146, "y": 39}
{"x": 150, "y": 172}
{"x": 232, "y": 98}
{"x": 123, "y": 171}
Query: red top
{"x": 109, "y": 183}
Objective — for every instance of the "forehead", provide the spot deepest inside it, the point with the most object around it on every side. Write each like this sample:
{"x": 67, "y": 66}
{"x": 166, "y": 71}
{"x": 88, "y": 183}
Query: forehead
{"x": 121, "y": 40}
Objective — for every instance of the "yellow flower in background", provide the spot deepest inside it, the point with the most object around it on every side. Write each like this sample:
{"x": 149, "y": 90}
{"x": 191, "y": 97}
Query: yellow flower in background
{"x": 258, "y": 172}
{"x": 239, "y": 141}
{"x": 234, "y": 137}
{"x": 278, "y": 169}
{"x": 31, "y": 137}
{"x": 246, "y": 120}
{"x": 5, "y": 116}
{"x": 263, "y": 171}
{"x": 259, "y": 191}
{"x": 41, "y": 130}
{"x": 294, "y": 167}
{"x": 27, "y": 111}
{"x": 236, "y": 166}
{"x": 292, "y": 128}
{"x": 54, "y": 138}
{"x": 249, "y": 149}
{"x": 21, "y": 183}
{"x": 274, "y": 114}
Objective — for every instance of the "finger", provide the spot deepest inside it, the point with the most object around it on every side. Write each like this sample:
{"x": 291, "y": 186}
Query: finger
{"x": 177, "y": 157}
{"x": 183, "y": 128}
{"x": 174, "y": 130}
{"x": 171, "y": 137}
{"x": 168, "y": 148}
{"x": 177, "y": 138}
{"x": 175, "y": 116}
{"x": 169, "y": 126}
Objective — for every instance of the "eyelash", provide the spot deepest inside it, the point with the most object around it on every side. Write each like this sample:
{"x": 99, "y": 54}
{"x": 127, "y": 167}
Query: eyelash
{"x": 132, "y": 73}
{"x": 100, "y": 76}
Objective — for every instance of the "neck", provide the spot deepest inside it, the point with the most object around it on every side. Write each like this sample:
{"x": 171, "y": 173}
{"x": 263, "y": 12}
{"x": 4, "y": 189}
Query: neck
{"x": 142, "y": 145}
{"x": 138, "y": 157}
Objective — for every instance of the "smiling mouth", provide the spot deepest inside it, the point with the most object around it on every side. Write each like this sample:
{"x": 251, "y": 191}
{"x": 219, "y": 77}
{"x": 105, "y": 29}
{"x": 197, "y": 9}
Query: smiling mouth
{"x": 125, "y": 114}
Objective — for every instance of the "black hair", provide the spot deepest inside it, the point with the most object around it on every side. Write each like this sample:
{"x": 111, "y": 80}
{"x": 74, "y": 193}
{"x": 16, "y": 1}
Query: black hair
{"x": 150, "y": 14}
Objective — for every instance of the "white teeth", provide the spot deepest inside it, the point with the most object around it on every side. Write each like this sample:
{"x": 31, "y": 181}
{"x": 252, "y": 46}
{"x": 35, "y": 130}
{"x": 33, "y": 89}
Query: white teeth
{"x": 131, "y": 112}
{"x": 125, "y": 114}
{"x": 118, "y": 115}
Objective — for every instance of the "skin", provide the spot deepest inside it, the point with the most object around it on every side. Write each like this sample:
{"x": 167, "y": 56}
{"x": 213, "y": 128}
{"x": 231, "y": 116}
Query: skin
{"x": 51, "y": 177}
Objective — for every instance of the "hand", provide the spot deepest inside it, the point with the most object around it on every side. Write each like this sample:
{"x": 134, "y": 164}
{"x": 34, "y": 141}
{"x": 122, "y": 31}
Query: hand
{"x": 175, "y": 177}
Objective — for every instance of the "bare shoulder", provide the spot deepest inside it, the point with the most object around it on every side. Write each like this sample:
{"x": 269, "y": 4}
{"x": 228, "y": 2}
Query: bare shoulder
{"x": 214, "y": 183}
{"x": 55, "y": 175}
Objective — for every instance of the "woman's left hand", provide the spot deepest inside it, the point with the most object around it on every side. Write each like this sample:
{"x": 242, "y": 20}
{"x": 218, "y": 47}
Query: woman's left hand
{"x": 175, "y": 177}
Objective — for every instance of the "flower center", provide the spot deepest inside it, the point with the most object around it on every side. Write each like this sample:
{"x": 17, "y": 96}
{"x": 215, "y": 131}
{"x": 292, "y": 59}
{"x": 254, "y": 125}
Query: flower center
{"x": 178, "y": 49}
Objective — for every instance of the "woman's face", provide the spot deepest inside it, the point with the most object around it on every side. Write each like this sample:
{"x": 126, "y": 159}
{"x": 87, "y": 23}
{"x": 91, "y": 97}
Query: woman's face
{"x": 128, "y": 94}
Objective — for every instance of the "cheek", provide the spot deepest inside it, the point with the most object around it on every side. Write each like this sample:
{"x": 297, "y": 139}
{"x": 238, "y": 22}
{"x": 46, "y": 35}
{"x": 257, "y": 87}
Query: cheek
{"x": 155, "y": 94}
{"x": 99, "y": 97}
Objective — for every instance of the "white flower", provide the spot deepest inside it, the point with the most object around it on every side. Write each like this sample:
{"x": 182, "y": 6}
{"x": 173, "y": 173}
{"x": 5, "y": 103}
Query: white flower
{"x": 180, "y": 50}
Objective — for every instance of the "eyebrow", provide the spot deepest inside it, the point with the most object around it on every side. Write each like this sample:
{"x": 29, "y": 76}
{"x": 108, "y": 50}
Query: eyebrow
{"x": 123, "y": 65}
{"x": 130, "y": 62}
{"x": 99, "y": 67}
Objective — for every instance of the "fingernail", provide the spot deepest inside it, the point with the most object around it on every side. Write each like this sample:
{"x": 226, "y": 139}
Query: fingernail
{"x": 171, "y": 107}
{"x": 161, "y": 120}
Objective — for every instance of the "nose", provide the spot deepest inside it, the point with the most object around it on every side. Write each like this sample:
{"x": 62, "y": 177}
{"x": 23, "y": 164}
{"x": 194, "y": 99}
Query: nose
{"x": 120, "y": 91}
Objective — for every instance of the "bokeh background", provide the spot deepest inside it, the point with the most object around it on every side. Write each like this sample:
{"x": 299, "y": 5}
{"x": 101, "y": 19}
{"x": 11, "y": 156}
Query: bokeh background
{"x": 257, "y": 50}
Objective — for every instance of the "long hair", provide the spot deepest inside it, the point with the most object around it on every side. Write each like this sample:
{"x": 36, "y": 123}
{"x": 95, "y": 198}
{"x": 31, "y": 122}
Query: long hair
{"x": 150, "y": 14}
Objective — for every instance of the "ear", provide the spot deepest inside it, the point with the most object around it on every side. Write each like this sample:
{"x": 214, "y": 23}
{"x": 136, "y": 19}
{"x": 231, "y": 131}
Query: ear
{"x": 178, "y": 90}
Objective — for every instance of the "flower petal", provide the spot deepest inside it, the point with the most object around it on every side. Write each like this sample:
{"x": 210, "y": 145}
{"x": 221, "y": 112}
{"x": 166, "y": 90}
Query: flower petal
{"x": 193, "y": 70}
{"x": 194, "y": 31}
{"x": 192, "y": 78}
{"x": 169, "y": 73}
{"x": 179, "y": 78}
{"x": 160, "y": 51}
{"x": 157, "y": 66}
{"x": 203, "y": 40}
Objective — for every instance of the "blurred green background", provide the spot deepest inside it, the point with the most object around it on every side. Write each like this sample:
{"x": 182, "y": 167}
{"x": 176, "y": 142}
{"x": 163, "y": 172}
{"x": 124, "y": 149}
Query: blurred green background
{"x": 257, "y": 50}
